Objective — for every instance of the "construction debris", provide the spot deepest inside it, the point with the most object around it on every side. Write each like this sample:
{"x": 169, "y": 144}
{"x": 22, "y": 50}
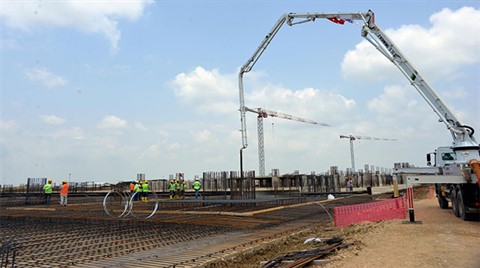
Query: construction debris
{"x": 302, "y": 258}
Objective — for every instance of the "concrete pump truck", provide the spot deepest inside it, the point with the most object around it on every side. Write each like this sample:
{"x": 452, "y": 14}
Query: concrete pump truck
{"x": 456, "y": 168}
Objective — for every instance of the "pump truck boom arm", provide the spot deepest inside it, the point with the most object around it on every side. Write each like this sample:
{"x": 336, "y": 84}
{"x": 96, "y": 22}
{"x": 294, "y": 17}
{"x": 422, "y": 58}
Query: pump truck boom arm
{"x": 462, "y": 135}
{"x": 247, "y": 67}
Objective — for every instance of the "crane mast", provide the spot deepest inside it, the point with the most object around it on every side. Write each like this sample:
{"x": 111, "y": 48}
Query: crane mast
{"x": 352, "y": 157}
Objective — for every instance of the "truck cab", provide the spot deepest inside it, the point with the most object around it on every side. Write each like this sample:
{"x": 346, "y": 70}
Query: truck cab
{"x": 442, "y": 156}
{"x": 464, "y": 197}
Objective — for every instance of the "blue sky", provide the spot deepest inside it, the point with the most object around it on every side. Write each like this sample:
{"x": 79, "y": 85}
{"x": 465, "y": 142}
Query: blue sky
{"x": 103, "y": 90}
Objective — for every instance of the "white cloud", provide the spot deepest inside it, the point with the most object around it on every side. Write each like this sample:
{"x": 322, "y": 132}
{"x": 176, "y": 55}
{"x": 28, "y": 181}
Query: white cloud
{"x": 163, "y": 134}
{"x": 202, "y": 136}
{"x": 212, "y": 92}
{"x": 140, "y": 126}
{"x": 75, "y": 133}
{"x": 6, "y": 125}
{"x": 46, "y": 78}
{"x": 309, "y": 103}
{"x": 110, "y": 144}
{"x": 391, "y": 101}
{"x": 10, "y": 44}
{"x": 208, "y": 91}
{"x": 6, "y": 128}
{"x": 452, "y": 41}
{"x": 87, "y": 16}
{"x": 52, "y": 119}
{"x": 173, "y": 146}
{"x": 152, "y": 151}
{"x": 455, "y": 93}
{"x": 112, "y": 122}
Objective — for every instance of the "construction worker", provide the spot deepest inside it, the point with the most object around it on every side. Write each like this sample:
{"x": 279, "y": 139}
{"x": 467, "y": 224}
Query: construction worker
{"x": 177, "y": 189}
{"x": 64, "y": 193}
{"x": 132, "y": 188}
{"x": 350, "y": 185}
{"x": 138, "y": 191}
{"x": 47, "y": 192}
{"x": 183, "y": 187}
{"x": 145, "y": 191}
{"x": 172, "y": 189}
{"x": 196, "y": 187}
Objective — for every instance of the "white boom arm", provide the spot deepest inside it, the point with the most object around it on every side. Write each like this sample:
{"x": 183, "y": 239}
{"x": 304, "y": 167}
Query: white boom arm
{"x": 462, "y": 135}
{"x": 266, "y": 113}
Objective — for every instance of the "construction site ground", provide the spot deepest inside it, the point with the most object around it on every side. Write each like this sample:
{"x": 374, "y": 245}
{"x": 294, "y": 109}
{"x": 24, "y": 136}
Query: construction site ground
{"x": 82, "y": 235}
{"x": 440, "y": 240}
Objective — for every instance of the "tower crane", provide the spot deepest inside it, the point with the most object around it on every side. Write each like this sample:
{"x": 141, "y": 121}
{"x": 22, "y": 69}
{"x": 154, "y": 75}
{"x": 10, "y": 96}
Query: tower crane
{"x": 355, "y": 137}
{"x": 263, "y": 113}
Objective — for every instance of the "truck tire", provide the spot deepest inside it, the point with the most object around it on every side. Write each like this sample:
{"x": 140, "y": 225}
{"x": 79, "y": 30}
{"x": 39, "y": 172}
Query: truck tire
{"x": 454, "y": 200}
{"x": 442, "y": 201}
{"x": 461, "y": 207}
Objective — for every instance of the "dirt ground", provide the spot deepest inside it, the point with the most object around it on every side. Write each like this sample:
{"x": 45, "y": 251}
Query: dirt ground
{"x": 441, "y": 240}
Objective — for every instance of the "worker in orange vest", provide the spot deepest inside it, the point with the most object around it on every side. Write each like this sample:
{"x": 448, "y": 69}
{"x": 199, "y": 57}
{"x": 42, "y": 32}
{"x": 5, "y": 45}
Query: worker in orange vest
{"x": 64, "y": 193}
{"x": 132, "y": 188}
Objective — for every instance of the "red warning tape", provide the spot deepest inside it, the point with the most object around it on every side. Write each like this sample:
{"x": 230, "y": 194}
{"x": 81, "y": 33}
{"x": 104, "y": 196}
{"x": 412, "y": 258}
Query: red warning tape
{"x": 376, "y": 211}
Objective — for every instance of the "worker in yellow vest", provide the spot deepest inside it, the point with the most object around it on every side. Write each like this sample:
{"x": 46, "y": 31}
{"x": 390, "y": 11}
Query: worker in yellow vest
{"x": 177, "y": 189}
{"x": 171, "y": 187}
{"x": 47, "y": 192}
{"x": 196, "y": 187}
{"x": 138, "y": 190}
{"x": 183, "y": 187}
{"x": 145, "y": 191}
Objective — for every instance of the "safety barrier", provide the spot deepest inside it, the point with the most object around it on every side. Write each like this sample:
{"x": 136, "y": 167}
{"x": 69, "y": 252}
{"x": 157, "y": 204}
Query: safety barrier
{"x": 376, "y": 211}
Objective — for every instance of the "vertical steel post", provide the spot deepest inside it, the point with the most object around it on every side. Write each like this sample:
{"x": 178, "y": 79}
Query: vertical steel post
{"x": 411, "y": 211}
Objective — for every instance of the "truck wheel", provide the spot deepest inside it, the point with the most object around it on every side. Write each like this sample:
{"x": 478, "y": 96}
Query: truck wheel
{"x": 442, "y": 201}
{"x": 461, "y": 207}
{"x": 454, "y": 200}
